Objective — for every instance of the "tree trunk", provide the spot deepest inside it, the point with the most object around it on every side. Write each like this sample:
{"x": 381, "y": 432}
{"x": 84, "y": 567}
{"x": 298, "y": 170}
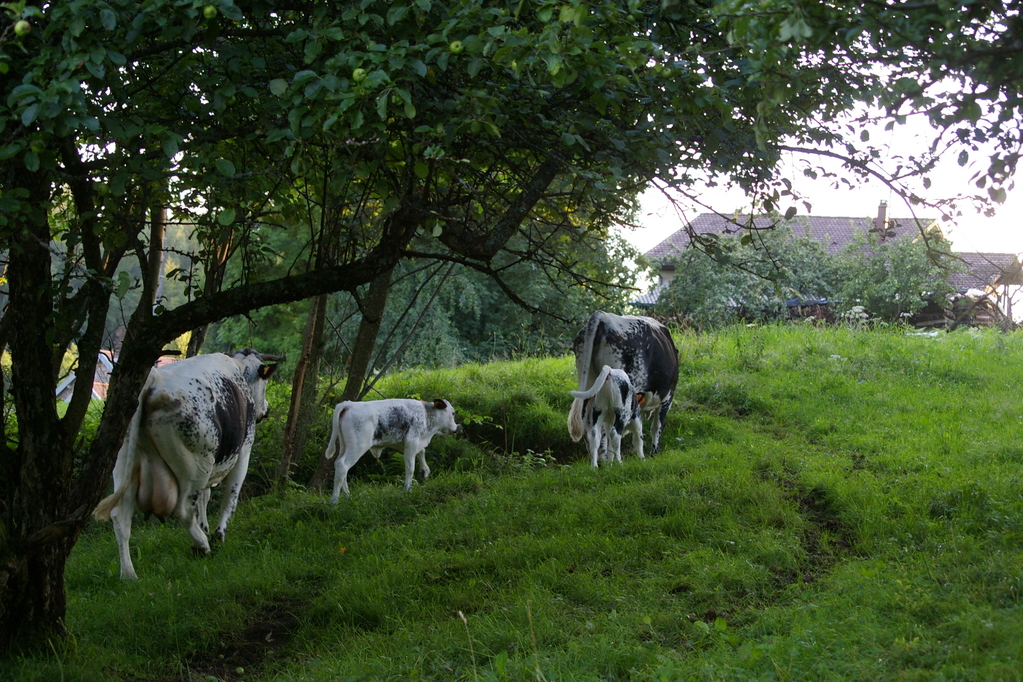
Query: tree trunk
{"x": 157, "y": 235}
{"x": 304, "y": 389}
{"x": 216, "y": 268}
{"x": 32, "y": 596}
{"x": 362, "y": 353}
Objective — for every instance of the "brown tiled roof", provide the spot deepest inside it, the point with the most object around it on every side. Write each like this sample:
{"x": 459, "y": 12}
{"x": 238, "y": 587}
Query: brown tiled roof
{"x": 834, "y": 233}
{"x": 987, "y": 269}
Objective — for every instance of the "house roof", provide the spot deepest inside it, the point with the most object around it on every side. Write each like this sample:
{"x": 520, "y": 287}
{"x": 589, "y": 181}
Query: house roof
{"x": 983, "y": 269}
{"x": 987, "y": 270}
{"x": 833, "y": 232}
{"x": 650, "y": 298}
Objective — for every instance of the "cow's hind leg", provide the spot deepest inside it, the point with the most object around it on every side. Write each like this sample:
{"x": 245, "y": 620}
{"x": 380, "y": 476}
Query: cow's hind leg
{"x": 201, "y": 504}
{"x": 615, "y": 444}
{"x": 121, "y": 518}
{"x": 657, "y": 424}
{"x": 344, "y": 462}
{"x": 637, "y": 437}
{"x": 595, "y": 440}
{"x": 229, "y": 498}
{"x": 190, "y": 521}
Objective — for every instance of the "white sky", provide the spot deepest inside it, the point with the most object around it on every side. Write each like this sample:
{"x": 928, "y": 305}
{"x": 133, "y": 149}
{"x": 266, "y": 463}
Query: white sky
{"x": 972, "y": 232}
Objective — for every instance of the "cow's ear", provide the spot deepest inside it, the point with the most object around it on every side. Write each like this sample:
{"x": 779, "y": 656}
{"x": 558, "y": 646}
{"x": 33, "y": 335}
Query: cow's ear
{"x": 440, "y": 404}
{"x": 266, "y": 371}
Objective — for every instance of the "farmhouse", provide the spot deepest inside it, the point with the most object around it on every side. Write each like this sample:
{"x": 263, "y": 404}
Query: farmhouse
{"x": 982, "y": 286}
{"x": 101, "y": 379}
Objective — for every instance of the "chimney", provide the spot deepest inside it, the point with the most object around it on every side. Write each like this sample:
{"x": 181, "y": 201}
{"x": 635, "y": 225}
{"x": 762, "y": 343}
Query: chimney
{"x": 881, "y": 221}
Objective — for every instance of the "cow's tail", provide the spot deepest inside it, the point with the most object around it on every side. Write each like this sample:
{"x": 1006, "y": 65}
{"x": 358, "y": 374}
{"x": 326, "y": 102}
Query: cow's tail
{"x": 336, "y": 442}
{"x": 595, "y": 388}
{"x": 583, "y": 359}
{"x": 584, "y": 356}
{"x": 575, "y": 415}
{"x": 575, "y": 420}
{"x": 128, "y": 465}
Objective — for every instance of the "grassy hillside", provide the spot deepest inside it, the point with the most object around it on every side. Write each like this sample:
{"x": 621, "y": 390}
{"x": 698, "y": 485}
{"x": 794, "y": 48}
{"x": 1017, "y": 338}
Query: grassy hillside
{"x": 830, "y": 504}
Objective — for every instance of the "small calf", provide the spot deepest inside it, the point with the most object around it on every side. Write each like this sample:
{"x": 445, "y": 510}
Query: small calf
{"x": 399, "y": 423}
{"x": 610, "y": 408}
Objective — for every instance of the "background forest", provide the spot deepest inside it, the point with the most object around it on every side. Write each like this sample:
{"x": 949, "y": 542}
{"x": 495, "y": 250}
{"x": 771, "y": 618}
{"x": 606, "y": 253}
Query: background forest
{"x": 439, "y": 315}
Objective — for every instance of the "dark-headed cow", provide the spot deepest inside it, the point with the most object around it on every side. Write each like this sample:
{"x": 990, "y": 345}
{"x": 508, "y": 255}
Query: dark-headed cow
{"x": 642, "y": 347}
{"x": 193, "y": 429}
{"x": 399, "y": 423}
{"x": 611, "y": 410}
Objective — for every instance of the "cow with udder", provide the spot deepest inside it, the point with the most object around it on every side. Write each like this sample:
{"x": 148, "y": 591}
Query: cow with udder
{"x": 192, "y": 430}
{"x": 610, "y": 410}
{"x": 400, "y": 423}
{"x": 643, "y": 348}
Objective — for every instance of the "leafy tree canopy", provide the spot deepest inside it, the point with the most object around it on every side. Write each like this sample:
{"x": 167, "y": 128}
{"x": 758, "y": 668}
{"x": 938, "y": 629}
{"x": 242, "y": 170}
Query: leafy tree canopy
{"x": 956, "y": 64}
{"x": 748, "y": 276}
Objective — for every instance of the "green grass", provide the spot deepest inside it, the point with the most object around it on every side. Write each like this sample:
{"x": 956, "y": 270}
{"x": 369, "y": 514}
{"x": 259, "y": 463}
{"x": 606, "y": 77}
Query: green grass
{"x": 830, "y": 504}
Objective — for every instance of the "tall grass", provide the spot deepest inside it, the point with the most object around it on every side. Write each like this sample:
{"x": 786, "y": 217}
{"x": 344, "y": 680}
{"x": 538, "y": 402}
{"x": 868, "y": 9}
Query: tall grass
{"x": 829, "y": 504}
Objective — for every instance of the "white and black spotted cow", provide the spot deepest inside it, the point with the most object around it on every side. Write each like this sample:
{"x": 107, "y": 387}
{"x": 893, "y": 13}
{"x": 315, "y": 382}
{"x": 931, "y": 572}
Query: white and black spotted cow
{"x": 642, "y": 347}
{"x": 193, "y": 429}
{"x": 611, "y": 409}
{"x": 399, "y": 423}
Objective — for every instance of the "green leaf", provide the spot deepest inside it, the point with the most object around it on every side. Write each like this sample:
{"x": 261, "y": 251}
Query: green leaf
{"x": 10, "y": 150}
{"x": 123, "y": 284}
{"x": 225, "y": 168}
{"x": 108, "y": 19}
{"x": 226, "y": 217}
{"x": 29, "y": 114}
{"x": 278, "y": 86}
{"x": 31, "y": 161}
{"x": 170, "y": 146}
{"x": 422, "y": 170}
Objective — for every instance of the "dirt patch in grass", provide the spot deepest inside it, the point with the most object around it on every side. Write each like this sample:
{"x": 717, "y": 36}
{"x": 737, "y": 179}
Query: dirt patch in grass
{"x": 248, "y": 652}
{"x": 826, "y": 537}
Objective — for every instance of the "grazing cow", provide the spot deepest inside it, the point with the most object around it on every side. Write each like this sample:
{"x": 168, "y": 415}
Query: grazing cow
{"x": 193, "y": 429}
{"x": 642, "y": 347}
{"x": 611, "y": 409}
{"x": 399, "y": 423}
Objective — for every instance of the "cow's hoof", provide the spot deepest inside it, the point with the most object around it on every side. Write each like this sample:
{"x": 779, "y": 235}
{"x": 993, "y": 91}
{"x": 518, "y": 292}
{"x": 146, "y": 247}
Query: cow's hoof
{"x": 200, "y": 551}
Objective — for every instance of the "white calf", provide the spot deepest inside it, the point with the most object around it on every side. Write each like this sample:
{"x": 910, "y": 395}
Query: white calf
{"x": 610, "y": 408}
{"x": 399, "y": 423}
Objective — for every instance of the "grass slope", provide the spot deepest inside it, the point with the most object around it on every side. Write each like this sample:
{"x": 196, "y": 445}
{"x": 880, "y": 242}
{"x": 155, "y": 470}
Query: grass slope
{"x": 830, "y": 504}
